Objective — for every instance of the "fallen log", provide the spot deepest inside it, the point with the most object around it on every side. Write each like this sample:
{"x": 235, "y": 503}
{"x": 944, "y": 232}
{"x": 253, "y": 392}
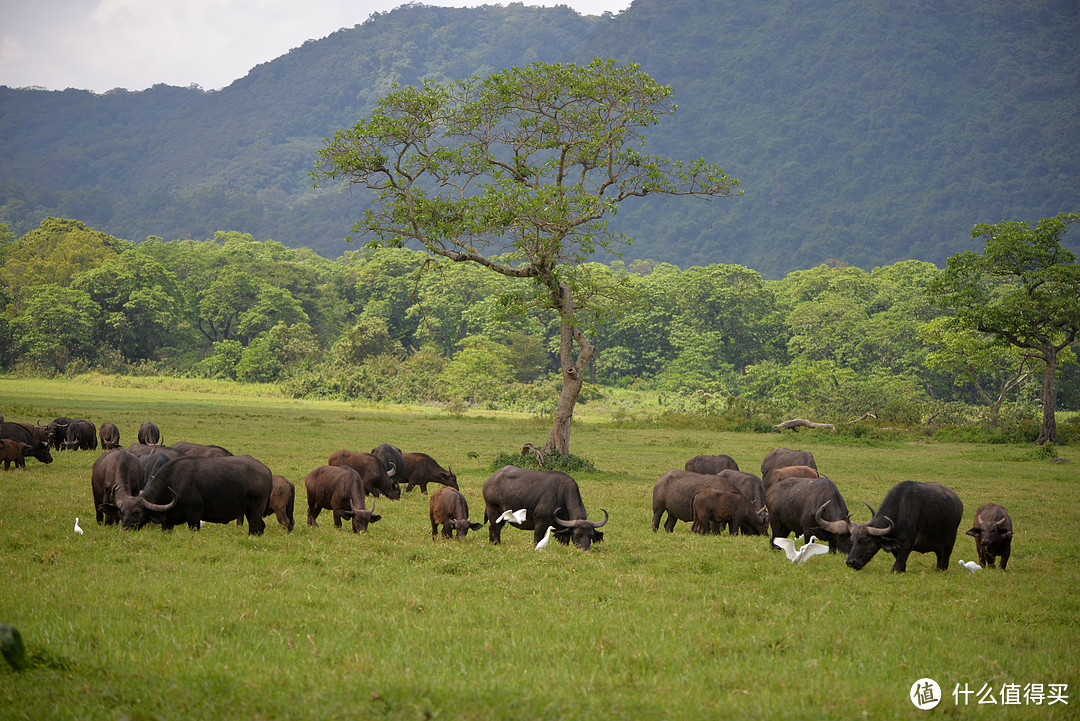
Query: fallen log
{"x": 803, "y": 423}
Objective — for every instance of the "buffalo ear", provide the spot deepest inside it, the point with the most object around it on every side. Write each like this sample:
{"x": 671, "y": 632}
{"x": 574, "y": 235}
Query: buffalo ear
{"x": 1007, "y": 535}
{"x": 475, "y": 526}
{"x": 597, "y": 536}
{"x": 375, "y": 517}
{"x": 976, "y": 532}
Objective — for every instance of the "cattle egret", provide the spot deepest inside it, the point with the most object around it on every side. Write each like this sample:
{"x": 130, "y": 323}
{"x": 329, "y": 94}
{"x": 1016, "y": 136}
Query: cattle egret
{"x": 970, "y": 565}
{"x": 544, "y": 541}
{"x": 800, "y": 556}
{"x": 77, "y": 529}
{"x": 517, "y": 516}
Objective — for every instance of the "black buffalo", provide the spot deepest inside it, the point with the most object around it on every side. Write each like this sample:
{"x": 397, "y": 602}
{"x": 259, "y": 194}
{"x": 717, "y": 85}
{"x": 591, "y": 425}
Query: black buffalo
{"x": 804, "y": 507}
{"x": 449, "y": 509}
{"x": 192, "y": 490}
{"x": 711, "y": 464}
{"x": 34, "y": 448}
{"x": 339, "y": 489}
{"x": 420, "y": 469}
{"x": 149, "y": 434}
{"x": 115, "y": 475}
{"x": 993, "y": 533}
{"x": 391, "y": 457}
{"x": 57, "y": 430}
{"x": 779, "y": 457}
{"x": 550, "y": 498}
{"x": 378, "y": 480}
{"x": 674, "y": 493}
{"x": 81, "y": 434}
{"x": 110, "y": 436}
{"x": 920, "y": 517}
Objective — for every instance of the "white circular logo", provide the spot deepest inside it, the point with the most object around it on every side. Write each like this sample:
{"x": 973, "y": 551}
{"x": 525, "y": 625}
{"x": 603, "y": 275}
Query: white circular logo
{"x": 925, "y": 694}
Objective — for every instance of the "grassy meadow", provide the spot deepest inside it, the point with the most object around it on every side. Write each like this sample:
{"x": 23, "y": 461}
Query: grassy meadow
{"x": 325, "y": 624}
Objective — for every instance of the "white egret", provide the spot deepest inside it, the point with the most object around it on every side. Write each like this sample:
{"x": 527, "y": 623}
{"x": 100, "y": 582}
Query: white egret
{"x": 517, "y": 516}
{"x": 77, "y": 529}
{"x": 544, "y": 541}
{"x": 807, "y": 551}
{"x": 970, "y": 565}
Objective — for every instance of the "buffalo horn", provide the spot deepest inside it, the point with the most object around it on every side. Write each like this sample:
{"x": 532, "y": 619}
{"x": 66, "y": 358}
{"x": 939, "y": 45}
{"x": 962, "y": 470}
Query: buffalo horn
{"x": 391, "y": 471}
{"x": 596, "y": 524}
{"x": 559, "y": 521}
{"x": 872, "y": 511}
{"x": 881, "y": 531}
{"x": 837, "y": 527}
{"x": 159, "y": 508}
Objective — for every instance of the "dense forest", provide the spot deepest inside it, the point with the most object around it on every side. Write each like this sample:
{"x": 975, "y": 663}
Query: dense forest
{"x": 864, "y": 132}
{"x": 831, "y": 342}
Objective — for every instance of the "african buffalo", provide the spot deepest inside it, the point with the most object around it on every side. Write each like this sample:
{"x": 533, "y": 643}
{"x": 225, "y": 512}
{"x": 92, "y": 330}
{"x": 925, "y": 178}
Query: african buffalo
{"x": 18, "y": 433}
{"x": 149, "y": 434}
{"x": 674, "y": 493}
{"x": 543, "y": 494}
{"x": 201, "y": 450}
{"x": 80, "y": 435}
{"x": 110, "y": 436}
{"x": 12, "y": 451}
{"x": 420, "y": 469}
{"x": 779, "y": 474}
{"x": 711, "y": 464}
{"x": 194, "y": 490}
{"x": 391, "y": 457}
{"x": 801, "y": 506}
{"x": 152, "y": 458}
{"x": 713, "y": 509}
{"x": 340, "y": 489}
{"x": 920, "y": 517}
{"x": 449, "y": 509}
{"x": 779, "y": 457}
{"x": 115, "y": 475}
{"x": 993, "y": 533}
{"x": 377, "y": 479}
{"x": 57, "y": 430}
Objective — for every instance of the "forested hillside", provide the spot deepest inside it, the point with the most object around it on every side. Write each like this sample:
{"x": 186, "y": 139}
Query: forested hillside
{"x": 863, "y": 131}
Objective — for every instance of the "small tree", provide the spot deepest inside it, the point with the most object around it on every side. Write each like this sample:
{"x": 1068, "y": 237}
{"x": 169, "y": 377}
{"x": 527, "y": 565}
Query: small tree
{"x": 1024, "y": 289}
{"x": 518, "y": 172}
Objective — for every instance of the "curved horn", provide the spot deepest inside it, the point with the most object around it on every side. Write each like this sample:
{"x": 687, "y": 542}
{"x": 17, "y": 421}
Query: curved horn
{"x": 837, "y": 527}
{"x": 391, "y": 471}
{"x": 1002, "y": 521}
{"x": 872, "y": 511}
{"x": 881, "y": 531}
{"x": 158, "y": 507}
{"x": 559, "y": 521}
{"x": 597, "y": 524}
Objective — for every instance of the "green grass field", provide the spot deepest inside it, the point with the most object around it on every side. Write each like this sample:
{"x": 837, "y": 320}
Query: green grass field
{"x": 325, "y": 624}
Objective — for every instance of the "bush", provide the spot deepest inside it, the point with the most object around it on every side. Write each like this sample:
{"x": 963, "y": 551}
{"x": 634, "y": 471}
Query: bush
{"x": 552, "y": 462}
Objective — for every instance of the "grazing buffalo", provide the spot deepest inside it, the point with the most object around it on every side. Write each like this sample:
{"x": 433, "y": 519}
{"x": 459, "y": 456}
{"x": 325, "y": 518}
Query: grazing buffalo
{"x": 993, "y": 532}
{"x": 115, "y": 475}
{"x": 377, "y": 479}
{"x": 391, "y": 458}
{"x": 550, "y": 498}
{"x": 12, "y": 451}
{"x": 35, "y": 448}
{"x": 57, "y": 430}
{"x": 449, "y": 509}
{"x": 81, "y": 435}
{"x": 149, "y": 434}
{"x": 110, "y": 436}
{"x": 711, "y": 464}
{"x": 920, "y": 517}
{"x": 779, "y": 457}
{"x": 420, "y": 469}
{"x": 674, "y": 493}
{"x": 713, "y": 509}
{"x": 805, "y": 507}
{"x": 192, "y": 490}
{"x": 200, "y": 450}
{"x": 779, "y": 474}
{"x": 340, "y": 489}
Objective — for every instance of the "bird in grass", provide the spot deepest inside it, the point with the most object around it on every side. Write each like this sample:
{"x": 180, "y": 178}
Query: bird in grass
{"x": 77, "y": 529}
{"x": 512, "y": 516}
{"x": 544, "y": 541}
{"x": 807, "y": 551}
{"x": 970, "y": 565}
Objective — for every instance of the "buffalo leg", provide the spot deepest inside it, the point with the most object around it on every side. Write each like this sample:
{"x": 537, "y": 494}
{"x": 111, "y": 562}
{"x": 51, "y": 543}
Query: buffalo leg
{"x": 495, "y": 533}
{"x": 901, "y": 560}
{"x": 256, "y": 524}
{"x": 1005, "y": 556}
{"x": 669, "y": 524}
{"x": 312, "y": 514}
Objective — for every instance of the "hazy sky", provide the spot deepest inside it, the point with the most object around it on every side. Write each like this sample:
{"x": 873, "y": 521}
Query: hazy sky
{"x": 100, "y": 45}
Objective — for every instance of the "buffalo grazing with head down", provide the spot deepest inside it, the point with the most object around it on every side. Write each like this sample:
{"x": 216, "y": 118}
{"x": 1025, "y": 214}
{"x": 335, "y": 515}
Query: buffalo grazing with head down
{"x": 714, "y": 509}
{"x": 339, "y": 489}
{"x": 993, "y": 533}
{"x": 110, "y": 436}
{"x": 674, "y": 493}
{"x": 919, "y": 517}
{"x": 449, "y": 509}
{"x": 34, "y": 447}
{"x": 115, "y": 475}
{"x": 80, "y": 435}
{"x": 550, "y": 498}
{"x": 149, "y": 434}
{"x": 420, "y": 469}
{"x": 12, "y": 451}
{"x": 804, "y": 506}
{"x": 377, "y": 479}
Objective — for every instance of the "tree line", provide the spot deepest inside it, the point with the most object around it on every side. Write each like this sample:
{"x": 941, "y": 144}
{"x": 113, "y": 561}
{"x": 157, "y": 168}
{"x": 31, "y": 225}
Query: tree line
{"x": 396, "y": 325}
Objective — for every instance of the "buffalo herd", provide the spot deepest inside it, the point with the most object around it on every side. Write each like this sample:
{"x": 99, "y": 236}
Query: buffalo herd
{"x": 194, "y": 483}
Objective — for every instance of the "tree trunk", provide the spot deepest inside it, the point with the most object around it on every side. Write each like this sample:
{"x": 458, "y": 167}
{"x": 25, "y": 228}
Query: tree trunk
{"x": 1048, "y": 432}
{"x": 573, "y": 373}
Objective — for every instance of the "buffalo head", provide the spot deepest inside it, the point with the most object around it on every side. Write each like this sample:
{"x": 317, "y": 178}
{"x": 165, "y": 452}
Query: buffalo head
{"x": 864, "y": 540}
{"x": 991, "y": 532}
{"x": 361, "y": 517}
{"x": 582, "y": 531}
{"x": 136, "y": 511}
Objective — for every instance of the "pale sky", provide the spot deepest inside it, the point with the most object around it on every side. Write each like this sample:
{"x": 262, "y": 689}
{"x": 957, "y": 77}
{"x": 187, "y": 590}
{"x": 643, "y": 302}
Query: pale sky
{"x": 101, "y": 45}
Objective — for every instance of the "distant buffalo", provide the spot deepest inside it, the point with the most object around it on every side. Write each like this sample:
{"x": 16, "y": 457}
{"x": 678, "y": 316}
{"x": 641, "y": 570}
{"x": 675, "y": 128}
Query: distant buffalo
{"x": 993, "y": 534}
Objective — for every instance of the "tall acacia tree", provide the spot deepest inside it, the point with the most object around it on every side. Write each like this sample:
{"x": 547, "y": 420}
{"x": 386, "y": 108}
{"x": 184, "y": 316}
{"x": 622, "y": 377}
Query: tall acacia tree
{"x": 519, "y": 172}
{"x": 1024, "y": 289}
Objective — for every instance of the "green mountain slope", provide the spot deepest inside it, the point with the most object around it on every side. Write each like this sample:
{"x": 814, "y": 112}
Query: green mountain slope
{"x": 863, "y": 131}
